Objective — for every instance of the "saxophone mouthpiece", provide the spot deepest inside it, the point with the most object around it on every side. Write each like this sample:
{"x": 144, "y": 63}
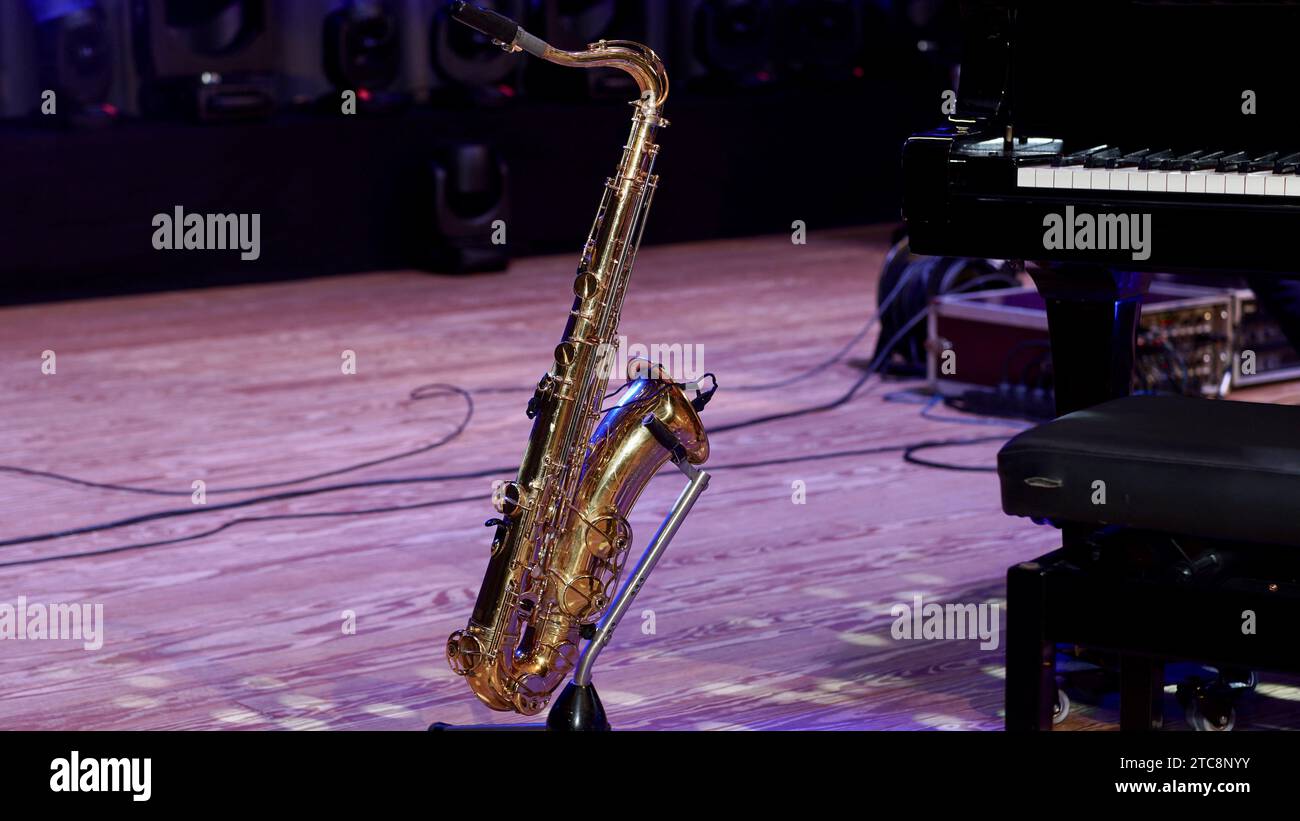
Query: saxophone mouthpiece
{"x": 501, "y": 29}
{"x": 488, "y": 22}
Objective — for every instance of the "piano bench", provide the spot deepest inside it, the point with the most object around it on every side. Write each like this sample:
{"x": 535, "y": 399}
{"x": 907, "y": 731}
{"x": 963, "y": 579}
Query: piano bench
{"x": 1177, "y": 517}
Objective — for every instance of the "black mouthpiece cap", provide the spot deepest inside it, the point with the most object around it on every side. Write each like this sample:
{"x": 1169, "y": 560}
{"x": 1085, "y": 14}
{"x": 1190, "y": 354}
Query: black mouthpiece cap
{"x": 485, "y": 21}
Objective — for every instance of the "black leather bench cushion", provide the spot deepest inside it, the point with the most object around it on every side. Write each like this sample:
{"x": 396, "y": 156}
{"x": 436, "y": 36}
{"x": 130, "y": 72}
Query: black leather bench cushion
{"x": 1228, "y": 470}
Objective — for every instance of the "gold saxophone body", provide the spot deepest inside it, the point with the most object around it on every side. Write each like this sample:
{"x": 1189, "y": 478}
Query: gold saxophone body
{"x": 563, "y": 537}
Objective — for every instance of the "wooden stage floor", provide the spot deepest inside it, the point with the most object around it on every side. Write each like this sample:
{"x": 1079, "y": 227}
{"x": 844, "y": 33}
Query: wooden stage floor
{"x": 766, "y": 614}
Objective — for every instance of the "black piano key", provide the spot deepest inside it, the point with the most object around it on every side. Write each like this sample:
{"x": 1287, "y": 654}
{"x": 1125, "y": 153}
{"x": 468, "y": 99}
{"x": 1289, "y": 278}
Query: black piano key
{"x": 1129, "y": 160}
{"x": 1288, "y": 164}
{"x": 1101, "y": 158}
{"x": 1233, "y": 161}
{"x": 1264, "y": 162}
{"x": 1078, "y": 157}
{"x": 1208, "y": 160}
{"x": 1177, "y": 161}
{"x": 1154, "y": 159}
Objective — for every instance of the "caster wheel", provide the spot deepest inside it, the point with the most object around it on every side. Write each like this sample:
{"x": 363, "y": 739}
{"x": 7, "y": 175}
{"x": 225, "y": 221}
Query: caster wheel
{"x": 1242, "y": 682}
{"x": 1061, "y": 710}
{"x": 1211, "y": 715}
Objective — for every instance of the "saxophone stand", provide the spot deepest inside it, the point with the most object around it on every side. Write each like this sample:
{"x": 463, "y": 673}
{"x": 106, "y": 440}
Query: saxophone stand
{"x": 578, "y": 707}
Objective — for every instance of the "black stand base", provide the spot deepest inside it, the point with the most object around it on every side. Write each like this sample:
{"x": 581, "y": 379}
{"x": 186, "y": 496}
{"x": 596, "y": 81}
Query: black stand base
{"x": 578, "y": 709}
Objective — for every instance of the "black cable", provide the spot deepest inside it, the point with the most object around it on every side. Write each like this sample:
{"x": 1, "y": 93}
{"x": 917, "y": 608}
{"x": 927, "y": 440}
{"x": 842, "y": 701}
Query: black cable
{"x": 844, "y": 350}
{"x": 910, "y": 451}
{"x": 422, "y": 392}
{"x": 986, "y": 421}
{"x": 846, "y": 397}
{"x": 438, "y": 503}
{"x": 242, "y": 520}
{"x": 255, "y": 500}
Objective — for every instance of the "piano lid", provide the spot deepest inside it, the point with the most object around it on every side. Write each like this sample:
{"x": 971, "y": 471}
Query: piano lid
{"x": 1108, "y": 71}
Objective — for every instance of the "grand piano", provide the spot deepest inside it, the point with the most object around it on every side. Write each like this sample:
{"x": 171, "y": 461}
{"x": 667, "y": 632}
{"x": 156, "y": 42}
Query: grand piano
{"x": 1099, "y": 142}
{"x": 1162, "y": 132}
{"x": 1184, "y": 111}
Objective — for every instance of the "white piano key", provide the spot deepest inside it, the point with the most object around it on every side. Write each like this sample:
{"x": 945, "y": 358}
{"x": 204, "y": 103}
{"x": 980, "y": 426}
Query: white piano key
{"x": 1078, "y": 177}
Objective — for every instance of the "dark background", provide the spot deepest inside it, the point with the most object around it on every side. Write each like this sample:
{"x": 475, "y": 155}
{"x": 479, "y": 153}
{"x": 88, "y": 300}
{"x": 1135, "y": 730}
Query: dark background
{"x": 780, "y": 110}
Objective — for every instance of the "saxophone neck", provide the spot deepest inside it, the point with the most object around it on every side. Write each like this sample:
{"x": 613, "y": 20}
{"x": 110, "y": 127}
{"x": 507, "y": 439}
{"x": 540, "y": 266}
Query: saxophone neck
{"x": 636, "y": 59}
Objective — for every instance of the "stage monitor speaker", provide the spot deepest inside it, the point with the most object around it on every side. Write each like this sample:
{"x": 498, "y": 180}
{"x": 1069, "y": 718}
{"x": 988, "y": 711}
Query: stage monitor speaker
{"x": 214, "y": 59}
{"x": 73, "y": 48}
{"x": 363, "y": 53}
{"x": 303, "y": 47}
{"x": 466, "y": 64}
{"x": 725, "y": 44}
{"x": 20, "y": 93}
{"x": 573, "y": 24}
{"x": 362, "y": 46}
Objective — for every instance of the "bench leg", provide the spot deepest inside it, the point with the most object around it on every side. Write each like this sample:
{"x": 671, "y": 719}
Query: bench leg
{"x": 1141, "y": 691}
{"x": 1031, "y": 656}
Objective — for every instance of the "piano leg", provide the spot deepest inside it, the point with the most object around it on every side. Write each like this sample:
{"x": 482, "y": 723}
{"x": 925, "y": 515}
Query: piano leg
{"x": 1092, "y": 317}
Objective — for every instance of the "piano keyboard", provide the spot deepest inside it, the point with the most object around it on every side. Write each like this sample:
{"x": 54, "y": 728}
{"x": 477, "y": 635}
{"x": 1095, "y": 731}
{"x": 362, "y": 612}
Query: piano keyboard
{"x": 1207, "y": 173}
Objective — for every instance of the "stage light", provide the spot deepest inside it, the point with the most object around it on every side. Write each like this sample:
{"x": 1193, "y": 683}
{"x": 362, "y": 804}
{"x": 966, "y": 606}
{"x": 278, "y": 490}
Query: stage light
{"x": 471, "y": 205}
{"x": 210, "y": 59}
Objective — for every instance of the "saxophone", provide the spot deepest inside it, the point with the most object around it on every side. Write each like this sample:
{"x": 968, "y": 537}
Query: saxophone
{"x": 562, "y": 538}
